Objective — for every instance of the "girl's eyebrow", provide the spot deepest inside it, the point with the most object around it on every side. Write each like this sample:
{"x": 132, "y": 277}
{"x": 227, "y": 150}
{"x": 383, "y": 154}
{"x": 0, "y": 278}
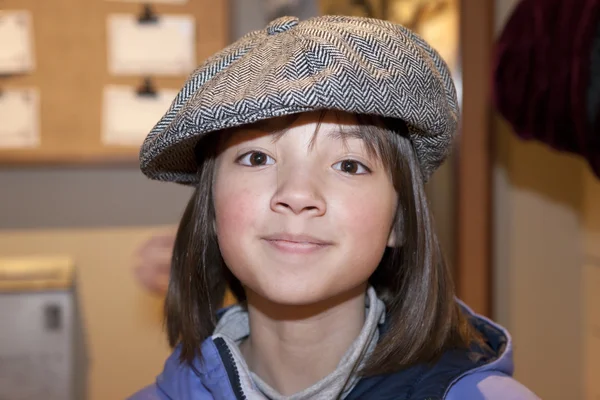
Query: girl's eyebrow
{"x": 343, "y": 132}
{"x": 278, "y": 127}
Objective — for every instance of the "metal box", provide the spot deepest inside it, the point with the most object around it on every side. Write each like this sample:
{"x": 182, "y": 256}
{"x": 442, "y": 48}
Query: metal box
{"x": 42, "y": 347}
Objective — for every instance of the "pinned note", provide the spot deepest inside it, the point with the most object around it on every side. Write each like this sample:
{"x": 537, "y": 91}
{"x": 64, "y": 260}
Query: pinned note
{"x": 19, "y": 116}
{"x": 128, "y": 116}
{"x": 164, "y": 45}
{"x": 16, "y": 42}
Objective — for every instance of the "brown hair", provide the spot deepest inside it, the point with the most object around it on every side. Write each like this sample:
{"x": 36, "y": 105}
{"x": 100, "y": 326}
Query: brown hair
{"x": 412, "y": 279}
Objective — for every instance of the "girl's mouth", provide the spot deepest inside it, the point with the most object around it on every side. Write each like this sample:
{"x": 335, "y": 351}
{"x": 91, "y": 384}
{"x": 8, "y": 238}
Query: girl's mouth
{"x": 297, "y": 244}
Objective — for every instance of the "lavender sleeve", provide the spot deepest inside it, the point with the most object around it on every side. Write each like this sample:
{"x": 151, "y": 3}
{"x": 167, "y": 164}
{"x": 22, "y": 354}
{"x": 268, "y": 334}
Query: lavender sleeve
{"x": 150, "y": 392}
{"x": 489, "y": 385}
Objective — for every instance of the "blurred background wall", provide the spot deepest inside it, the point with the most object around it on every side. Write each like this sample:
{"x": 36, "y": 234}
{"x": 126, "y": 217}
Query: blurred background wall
{"x": 547, "y": 236}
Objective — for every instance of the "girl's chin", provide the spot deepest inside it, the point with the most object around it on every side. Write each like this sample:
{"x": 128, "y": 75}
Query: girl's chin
{"x": 290, "y": 294}
{"x": 299, "y": 294}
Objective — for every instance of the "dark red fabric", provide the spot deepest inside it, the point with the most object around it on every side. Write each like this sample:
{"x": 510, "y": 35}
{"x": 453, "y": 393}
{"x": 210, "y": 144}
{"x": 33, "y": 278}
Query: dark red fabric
{"x": 542, "y": 71}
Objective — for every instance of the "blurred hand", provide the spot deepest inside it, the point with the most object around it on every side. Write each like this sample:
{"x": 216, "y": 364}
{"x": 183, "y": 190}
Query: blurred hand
{"x": 153, "y": 263}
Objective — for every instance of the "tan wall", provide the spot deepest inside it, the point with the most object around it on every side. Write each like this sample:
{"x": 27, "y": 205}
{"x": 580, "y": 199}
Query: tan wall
{"x": 126, "y": 344}
{"x": 538, "y": 264}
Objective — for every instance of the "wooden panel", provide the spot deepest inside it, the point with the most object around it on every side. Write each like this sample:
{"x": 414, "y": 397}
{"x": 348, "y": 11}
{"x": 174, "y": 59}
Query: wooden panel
{"x": 71, "y": 71}
{"x": 473, "y": 265}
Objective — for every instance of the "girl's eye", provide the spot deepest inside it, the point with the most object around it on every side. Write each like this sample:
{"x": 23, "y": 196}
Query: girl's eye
{"x": 255, "y": 159}
{"x": 351, "y": 167}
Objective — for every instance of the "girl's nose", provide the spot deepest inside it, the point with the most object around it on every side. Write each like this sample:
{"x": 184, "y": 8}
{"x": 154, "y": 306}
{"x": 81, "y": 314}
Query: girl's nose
{"x": 298, "y": 193}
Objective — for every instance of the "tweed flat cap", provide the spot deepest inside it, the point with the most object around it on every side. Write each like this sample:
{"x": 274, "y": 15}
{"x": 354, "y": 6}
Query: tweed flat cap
{"x": 352, "y": 64}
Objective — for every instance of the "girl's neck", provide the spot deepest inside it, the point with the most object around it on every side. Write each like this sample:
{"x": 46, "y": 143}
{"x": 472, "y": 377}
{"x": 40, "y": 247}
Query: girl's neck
{"x": 293, "y": 347}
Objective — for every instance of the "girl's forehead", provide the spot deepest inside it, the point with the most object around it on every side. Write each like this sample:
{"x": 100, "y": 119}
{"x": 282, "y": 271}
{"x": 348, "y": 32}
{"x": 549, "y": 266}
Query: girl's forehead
{"x": 331, "y": 123}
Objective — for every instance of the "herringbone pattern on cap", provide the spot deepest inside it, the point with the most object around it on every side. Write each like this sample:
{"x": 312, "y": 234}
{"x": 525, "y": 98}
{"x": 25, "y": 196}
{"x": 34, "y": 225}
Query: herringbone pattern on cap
{"x": 351, "y": 64}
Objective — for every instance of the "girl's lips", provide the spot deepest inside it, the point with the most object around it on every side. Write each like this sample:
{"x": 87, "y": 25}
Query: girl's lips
{"x": 288, "y": 237}
{"x": 287, "y": 246}
{"x": 296, "y": 244}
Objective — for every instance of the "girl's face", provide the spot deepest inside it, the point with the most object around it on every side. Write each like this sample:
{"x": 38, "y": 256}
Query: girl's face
{"x": 302, "y": 217}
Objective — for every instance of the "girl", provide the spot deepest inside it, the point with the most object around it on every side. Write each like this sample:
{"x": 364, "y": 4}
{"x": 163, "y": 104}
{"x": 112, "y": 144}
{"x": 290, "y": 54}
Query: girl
{"x": 308, "y": 144}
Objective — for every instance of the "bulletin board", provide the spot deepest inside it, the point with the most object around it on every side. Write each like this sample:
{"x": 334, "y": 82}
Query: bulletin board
{"x": 71, "y": 70}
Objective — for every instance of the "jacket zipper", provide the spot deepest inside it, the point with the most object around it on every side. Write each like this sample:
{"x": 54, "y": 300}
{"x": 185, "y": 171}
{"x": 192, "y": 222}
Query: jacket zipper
{"x": 230, "y": 367}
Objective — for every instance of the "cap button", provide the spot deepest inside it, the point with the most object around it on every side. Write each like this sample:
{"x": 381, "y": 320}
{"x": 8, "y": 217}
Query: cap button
{"x": 281, "y": 24}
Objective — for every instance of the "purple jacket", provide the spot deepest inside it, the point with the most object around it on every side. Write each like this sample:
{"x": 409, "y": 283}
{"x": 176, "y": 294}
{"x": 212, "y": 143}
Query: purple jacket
{"x": 474, "y": 374}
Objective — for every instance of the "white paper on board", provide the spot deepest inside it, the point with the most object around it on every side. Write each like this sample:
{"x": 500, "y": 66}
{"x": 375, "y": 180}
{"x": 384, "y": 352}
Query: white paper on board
{"x": 19, "y": 116}
{"x": 16, "y": 42}
{"x": 165, "y": 47}
{"x": 129, "y": 117}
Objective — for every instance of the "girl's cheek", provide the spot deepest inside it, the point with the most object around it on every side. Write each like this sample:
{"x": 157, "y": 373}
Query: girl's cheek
{"x": 368, "y": 215}
{"x": 362, "y": 220}
{"x": 234, "y": 210}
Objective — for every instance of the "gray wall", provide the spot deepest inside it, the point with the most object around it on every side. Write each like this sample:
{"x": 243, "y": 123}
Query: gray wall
{"x": 86, "y": 197}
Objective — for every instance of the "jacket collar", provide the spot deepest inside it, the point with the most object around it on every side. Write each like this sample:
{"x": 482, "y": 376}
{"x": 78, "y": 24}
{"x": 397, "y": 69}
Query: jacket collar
{"x": 181, "y": 381}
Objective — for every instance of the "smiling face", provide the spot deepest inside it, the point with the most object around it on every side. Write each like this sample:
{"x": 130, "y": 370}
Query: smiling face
{"x": 302, "y": 216}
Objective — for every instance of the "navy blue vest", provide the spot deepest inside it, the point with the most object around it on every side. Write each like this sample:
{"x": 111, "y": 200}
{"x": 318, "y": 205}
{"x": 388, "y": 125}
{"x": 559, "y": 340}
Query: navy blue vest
{"x": 430, "y": 382}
